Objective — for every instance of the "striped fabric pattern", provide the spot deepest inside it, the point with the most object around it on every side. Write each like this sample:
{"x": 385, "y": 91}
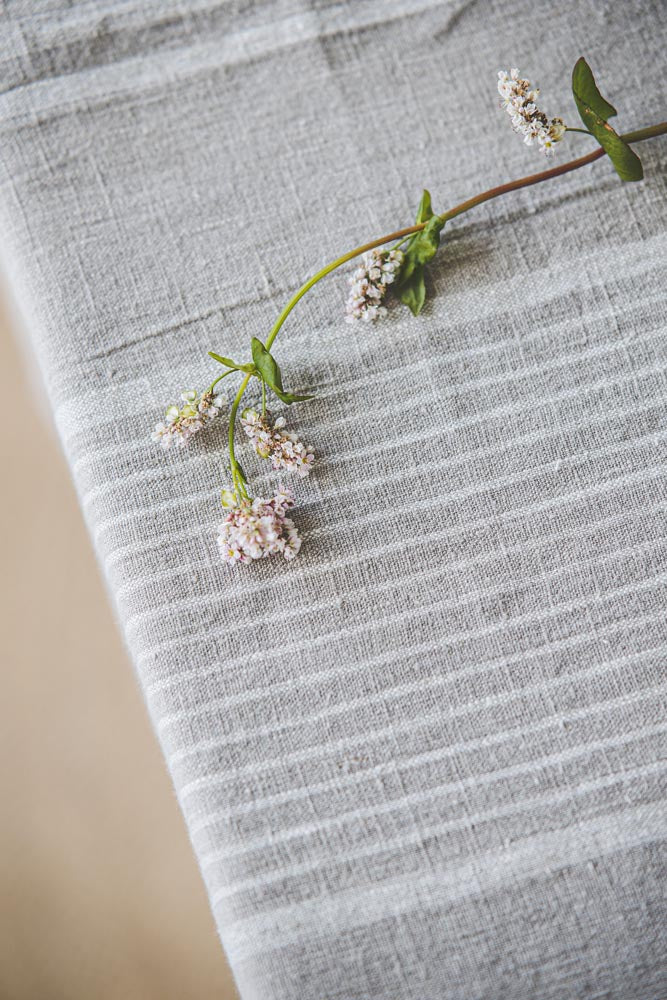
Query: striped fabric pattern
{"x": 426, "y": 760}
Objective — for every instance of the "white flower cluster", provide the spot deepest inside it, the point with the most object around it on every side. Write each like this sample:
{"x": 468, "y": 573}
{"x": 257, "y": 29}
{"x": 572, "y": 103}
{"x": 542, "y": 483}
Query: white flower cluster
{"x": 519, "y": 102}
{"x": 182, "y": 422}
{"x": 284, "y": 448}
{"x": 255, "y": 529}
{"x": 369, "y": 283}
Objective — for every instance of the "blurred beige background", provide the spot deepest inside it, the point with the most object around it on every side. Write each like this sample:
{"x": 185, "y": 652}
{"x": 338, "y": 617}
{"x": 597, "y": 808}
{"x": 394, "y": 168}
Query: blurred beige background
{"x": 100, "y": 897}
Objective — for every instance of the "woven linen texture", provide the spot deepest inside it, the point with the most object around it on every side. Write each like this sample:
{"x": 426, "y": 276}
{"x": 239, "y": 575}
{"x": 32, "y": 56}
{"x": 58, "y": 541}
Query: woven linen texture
{"x": 427, "y": 760}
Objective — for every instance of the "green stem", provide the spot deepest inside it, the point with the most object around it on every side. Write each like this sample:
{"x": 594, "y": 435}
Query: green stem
{"x": 546, "y": 175}
{"x": 401, "y": 234}
{"x": 239, "y": 487}
{"x": 328, "y": 269}
{"x": 584, "y": 131}
{"x": 645, "y": 133}
{"x": 219, "y": 379}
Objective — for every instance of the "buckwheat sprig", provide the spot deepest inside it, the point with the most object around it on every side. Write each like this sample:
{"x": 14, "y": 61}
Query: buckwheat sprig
{"x": 180, "y": 423}
{"x": 370, "y": 282}
{"x": 254, "y": 528}
{"x": 272, "y": 441}
{"x": 519, "y": 99}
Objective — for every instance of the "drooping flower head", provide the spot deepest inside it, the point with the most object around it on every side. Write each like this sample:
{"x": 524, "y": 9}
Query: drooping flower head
{"x": 181, "y": 422}
{"x": 368, "y": 285}
{"x": 255, "y": 529}
{"x": 284, "y": 448}
{"x": 519, "y": 101}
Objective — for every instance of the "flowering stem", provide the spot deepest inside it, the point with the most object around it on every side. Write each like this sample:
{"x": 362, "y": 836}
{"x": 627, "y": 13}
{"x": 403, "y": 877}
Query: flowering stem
{"x": 219, "y": 379}
{"x": 401, "y": 235}
{"x": 545, "y": 175}
{"x": 237, "y": 478}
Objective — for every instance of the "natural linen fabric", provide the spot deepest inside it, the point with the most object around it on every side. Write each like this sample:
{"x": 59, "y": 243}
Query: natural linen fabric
{"x": 427, "y": 759}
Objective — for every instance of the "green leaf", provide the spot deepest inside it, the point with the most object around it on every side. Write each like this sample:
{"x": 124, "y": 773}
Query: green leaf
{"x": 424, "y": 212}
{"x": 585, "y": 90}
{"x": 266, "y": 365}
{"x": 268, "y": 369}
{"x": 291, "y": 397}
{"x": 424, "y": 246}
{"x": 412, "y": 292}
{"x": 223, "y": 361}
{"x": 421, "y": 248}
{"x": 228, "y": 363}
{"x": 594, "y": 111}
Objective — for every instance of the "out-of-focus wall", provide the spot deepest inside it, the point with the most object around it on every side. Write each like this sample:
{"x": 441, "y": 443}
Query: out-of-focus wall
{"x": 100, "y": 898}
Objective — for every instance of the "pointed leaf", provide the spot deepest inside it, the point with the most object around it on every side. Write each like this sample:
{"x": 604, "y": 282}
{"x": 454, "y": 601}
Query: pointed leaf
{"x": 585, "y": 90}
{"x": 424, "y": 245}
{"x": 594, "y": 111}
{"x": 266, "y": 365}
{"x": 291, "y": 397}
{"x": 422, "y": 248}
{"x": 412, "y": 292}
{"x": 424, "y": 212}
{"x": 268, "y": 369}
{"x": 625, "y": 161}
{"x": 228, "y": 363}
{"x": 223, "y": 361}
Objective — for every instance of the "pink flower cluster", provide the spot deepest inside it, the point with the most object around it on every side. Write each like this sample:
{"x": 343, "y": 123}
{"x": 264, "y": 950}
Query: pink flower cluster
{"x": 181, "y": 423}
{"x": 368, "y": 285}
{"x": 284, "y": 449}
{"x": 255, "y": 529}
{"x": 519, "y": 101}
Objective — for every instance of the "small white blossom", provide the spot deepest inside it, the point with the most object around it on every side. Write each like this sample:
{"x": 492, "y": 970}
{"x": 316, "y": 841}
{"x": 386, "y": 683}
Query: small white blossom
{"x": 283, "y": 447}
{"x": 180, "y": 423}
{"x": 519, "y": 101}
{"x": 255, "y": 529}
{"x": 369, "y": 283}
